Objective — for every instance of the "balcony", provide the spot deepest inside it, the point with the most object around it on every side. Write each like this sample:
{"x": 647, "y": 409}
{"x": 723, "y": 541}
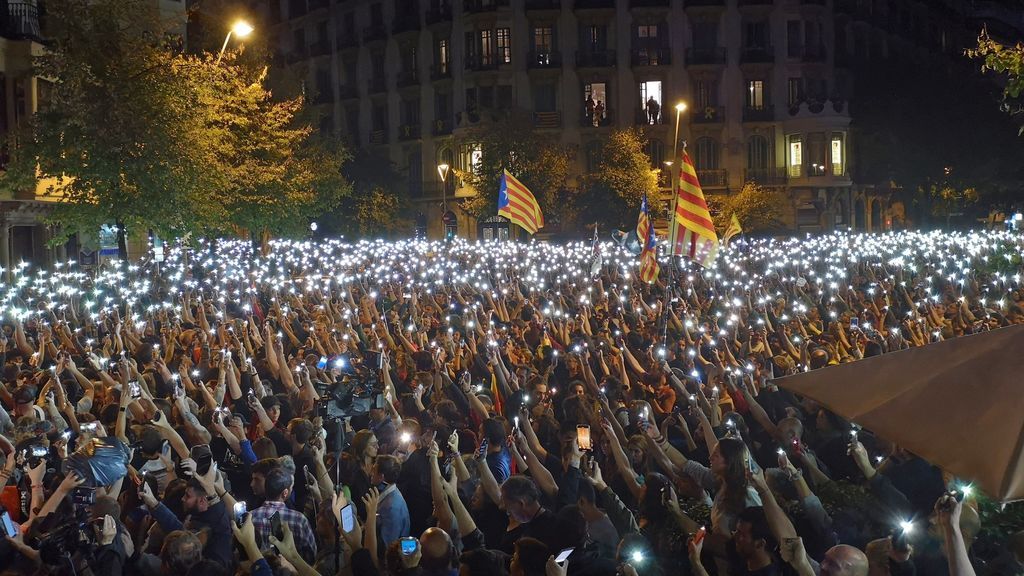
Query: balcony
{"x": 438, "y": 15}
{"x": 547, "y": 119}
{"x": 652, "y": 57}
{"x": 758, "y": 114}
{"x": 542, "y": 60}
{"x": 594, "y": 4}
{"x": 442, "y": 126}
{"x": 481, "y": 6}
{"x": 648, "y": 3}
{"x": 644, "y": 119}
{"x": 409, "y": 132}
{"x": 321, "y": 47}
{"x": 541, "y": 5}
{"x": 374, "y": 33}
{"x": 406, "y": 23}
{"x": 595, "y": 59}
{"x": 716, "y": 178}
{"x": 756, "y": 2}
{"x": 757, "y": 55}
{"x": 441, "y": 71}
{"x": 704, "y": 3}
{"x": 705, "y": 56}
{"x": 709, "y": 115}
{"x": 408, "y": 78}
{"x": 20, "y": 22}
{"x": 813, "y": 53}
{"x": 378, "y": 136}
{"x": 474, "y": 63}
{"x": 604, "y": 120}
{"x": 345, "y": 41}
{"x": 765, "y": 176}
{"x": 812, "y": 2}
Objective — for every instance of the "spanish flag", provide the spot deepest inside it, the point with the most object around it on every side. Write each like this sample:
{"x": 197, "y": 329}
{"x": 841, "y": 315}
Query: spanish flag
{"x": 517, "y": 203}
{"x": 692, "y": 233}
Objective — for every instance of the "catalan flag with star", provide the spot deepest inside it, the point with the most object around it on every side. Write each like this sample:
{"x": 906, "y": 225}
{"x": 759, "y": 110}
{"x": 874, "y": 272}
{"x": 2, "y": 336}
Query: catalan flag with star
{"x": 691, "y": 232}
{"x": 649, "y": 268}
{"x": 517, "y": 203}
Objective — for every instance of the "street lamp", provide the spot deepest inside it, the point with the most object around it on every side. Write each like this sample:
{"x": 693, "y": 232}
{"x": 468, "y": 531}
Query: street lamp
{"x": 680, "y": 108}
{"x": 442, "y": 171}
{"x": 240, "y": 29}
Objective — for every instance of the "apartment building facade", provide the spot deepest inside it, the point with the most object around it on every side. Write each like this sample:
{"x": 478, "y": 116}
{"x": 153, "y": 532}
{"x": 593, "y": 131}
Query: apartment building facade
{"x": 768, "y": 85}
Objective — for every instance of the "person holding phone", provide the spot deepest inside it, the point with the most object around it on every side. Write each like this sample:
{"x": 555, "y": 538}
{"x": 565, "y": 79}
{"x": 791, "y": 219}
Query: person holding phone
{"x": 278, "y": 487}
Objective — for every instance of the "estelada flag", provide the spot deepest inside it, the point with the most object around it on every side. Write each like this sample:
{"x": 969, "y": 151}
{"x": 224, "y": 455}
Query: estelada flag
{"x": 517, "y": 203}
{"x": 691, "y": 232}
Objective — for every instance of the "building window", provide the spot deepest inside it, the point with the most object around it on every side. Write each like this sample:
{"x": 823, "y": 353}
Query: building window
{"x": 650, "y": 101}
{"x": 796, "y": 156}
{"x": 416, "y": 173}
{"x": 504, "y": 45}
{"x": 816, "y": 153}
{"x": 647, "y": 31}
{"x": 707, "y": 154}
{"x": 795, "y": 91}
{"x": 755, "y": 94}
{"x": 486, "y": 47}
{"x": 592, "y": 151}
{"x": 544, "y": 98}
{"x": 656, "y": 153}
{"x": 794, "y": 39}
{"x": 838, "y": 154}
{"x": 756, "y": 35}
{"x": 705, "y": 35}
{"x": 376, "y": 15}
{"x": 757, "y": 153}
{"x": 596, "y": 38}
{"x": 595, "y": 102}
{"x": 543, "y": 40}
{"x": 707, "y": 93}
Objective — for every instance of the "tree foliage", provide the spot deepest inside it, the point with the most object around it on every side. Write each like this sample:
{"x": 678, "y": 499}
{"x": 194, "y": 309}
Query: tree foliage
{"x": 625, "y": 170}
{"x": 758, "y": 208}
{"x": 1008, "y": 60}
{"x": 536, "y": 159}
{"x": 139, "y": 134}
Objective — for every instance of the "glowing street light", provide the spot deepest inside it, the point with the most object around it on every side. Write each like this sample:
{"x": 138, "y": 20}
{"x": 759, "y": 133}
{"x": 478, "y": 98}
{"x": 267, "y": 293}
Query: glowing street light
{"x": 240, "y": 29}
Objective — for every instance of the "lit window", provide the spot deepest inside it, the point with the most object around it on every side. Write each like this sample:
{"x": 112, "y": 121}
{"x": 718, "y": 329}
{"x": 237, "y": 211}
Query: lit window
{"x": 837, "y": 154}
{"x": 796, "y": 156}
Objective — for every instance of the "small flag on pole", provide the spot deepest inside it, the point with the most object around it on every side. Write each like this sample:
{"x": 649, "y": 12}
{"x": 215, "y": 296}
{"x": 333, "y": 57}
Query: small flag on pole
{"x": 517, "y": 203}
{"x": 649, "y": 268}
{"x": 691, "y": 232}
{"x": 733, "y": 229}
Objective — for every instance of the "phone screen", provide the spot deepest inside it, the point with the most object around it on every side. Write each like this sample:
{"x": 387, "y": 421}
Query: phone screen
{"x": 9, "y": 529}
{"x": 135, "y": 390}
{"x": 275, "y": 526}
{"x": 409, "y": 546}
{"x": 348, "y": 518}
{"x": 563, "y": 555}
{"x": 240, "y": 509}
{"x": 483, "y": 449}
{"x": 203, "y": 457}
{"x": 583, "y": 437}
{"x": 699, "y": 536}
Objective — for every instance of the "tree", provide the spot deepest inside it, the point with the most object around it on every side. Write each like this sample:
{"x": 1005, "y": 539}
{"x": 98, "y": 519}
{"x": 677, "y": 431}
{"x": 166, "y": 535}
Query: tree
{"x": 140, "y": 135}
{"x": 537, "y": 160}
{"x": 1008, "y": 60}
{"x": 758, "y": 208}
{"x": 622, "y": 178}
{"x": 379, "y": 204}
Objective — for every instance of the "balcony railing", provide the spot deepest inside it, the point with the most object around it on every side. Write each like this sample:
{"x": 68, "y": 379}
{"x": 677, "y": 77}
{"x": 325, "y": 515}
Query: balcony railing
{"x": 591, "y": 122}
{"x": 551, "y": 59}
{"x": 409, "y": 132}
{"x": 409, "y": 22}
{"x": 766, "y": 176}
{"x": 813, "y": 53}
{"x": 374, "y": 33}
{"x": 378, "y": 136}
{"x": 705, "y": 56}
{"x": 643, "y": 118}
{"x": 693, "y": 3}
{"x": 408, "y": 78}
{"x": 543, "y": 4}
{"x": 478, "y": 6}
{"x": 716, "y": 178}
{"x": 595, "y": 59}
{"x": 349, "y": 40}
{"x": 593, "y": 4}
{"x": 440, "y": 71}
{"x": 442, "y": 126}
{"x": 648, "y": 3}
{"x": 652, "y": 57}
{"x": 757, "y": 55}
{"x": 476, "y": 63}
{"x": 709, "y": 115}
{"x": 21, "y": 21}
{"x": 320, "y": 47}
{"x": 443, "y": 13}
{"x": 547, "y": 119}
{"x": 758, "y": 114}
{"x": 756, "y": 2}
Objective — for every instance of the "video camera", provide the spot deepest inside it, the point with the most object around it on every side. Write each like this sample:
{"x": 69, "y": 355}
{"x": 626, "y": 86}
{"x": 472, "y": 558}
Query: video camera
{"x": 356, "y": 392}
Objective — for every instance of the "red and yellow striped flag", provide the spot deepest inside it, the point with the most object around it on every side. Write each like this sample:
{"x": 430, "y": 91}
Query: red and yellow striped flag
{"x": 649, "y": 268}
{"x": 692, "y": 233}
{"x": 518, "y": 204}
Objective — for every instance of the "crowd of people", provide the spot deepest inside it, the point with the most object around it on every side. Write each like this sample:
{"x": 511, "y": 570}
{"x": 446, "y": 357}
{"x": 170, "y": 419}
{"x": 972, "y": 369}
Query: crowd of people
{"x": 427, "y": 408}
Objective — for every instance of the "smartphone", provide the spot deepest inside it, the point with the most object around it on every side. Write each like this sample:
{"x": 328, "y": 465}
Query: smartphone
{"x": 322, "y": 363}
{"x": 378, "y": 401}
{"x": 240, "y": 510}
{"x": 348, "y": 518}
{"x": 583, "y": 437}
{"x": 203, "y": 457}
{"x": 275, "y": 526}
{"x": 83, "y": 496}
{"x": 482, "y": 452}
{"x": 563, "y": 555}
{"x": 135, "y": 390}
{"x": 854, "y": 322}
{"x": 699, "y": 536}
{"x": 9, "y": 529}
{"x": 409, "y": 545}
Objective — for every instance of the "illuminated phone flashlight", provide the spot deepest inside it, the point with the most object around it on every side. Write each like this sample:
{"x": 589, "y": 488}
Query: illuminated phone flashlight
{"x": 907, "y": 526}
{"x": 780, "y": 452}
{"x": 661, "y": 352}
{"x": 195, "y": 373}
{"x": 339, "y": 363}
{"x": 554, "y": 353}
{"x": 406, "y": 437}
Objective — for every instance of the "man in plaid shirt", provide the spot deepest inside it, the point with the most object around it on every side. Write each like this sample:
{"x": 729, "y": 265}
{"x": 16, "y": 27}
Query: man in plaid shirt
{"x": 278, "y": 485}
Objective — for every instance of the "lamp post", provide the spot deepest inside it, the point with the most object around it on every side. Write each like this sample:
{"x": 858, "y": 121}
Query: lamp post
{"x": 680, "y": 108}
{"x": 442, "y": 171}
{"x": 240, "y": 29}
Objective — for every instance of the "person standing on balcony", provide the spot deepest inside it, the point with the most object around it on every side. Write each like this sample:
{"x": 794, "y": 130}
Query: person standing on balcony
{"x": 590, "y": 109}
{"x": 598, "y": 113}
{"x": 653, "y": 110}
